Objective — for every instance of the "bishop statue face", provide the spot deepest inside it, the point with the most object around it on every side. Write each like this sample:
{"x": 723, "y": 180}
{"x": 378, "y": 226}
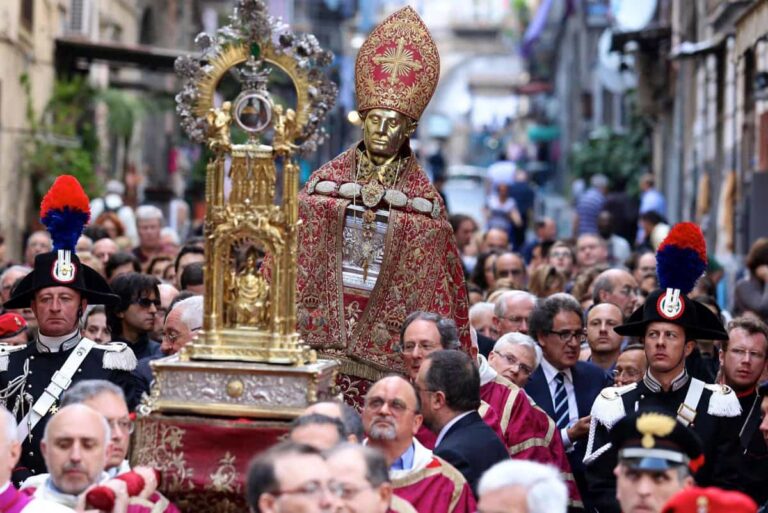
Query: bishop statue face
{"x": 384, "y": 132}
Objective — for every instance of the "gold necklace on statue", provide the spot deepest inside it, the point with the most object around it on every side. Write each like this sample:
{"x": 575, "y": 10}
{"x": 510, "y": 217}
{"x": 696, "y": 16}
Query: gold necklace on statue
{"x": 377, "y": 179}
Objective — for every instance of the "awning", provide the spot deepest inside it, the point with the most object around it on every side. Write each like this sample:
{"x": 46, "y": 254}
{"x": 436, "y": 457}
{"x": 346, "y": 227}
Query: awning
{"x": 689, "y": 49}
{"x": 751, "y": 27}
{"x": 646, "y": 38}
{"x": 70, "y": 51}
{"x": 543, "y": 133}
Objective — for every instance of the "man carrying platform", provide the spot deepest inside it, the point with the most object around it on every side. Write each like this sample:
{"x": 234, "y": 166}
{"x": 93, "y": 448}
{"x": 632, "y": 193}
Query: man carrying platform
{"x": 33, "y": 377}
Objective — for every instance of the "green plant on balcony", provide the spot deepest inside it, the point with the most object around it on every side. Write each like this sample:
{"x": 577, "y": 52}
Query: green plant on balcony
{"x": 61, "y": 139}
{"x": 621, "y": 156}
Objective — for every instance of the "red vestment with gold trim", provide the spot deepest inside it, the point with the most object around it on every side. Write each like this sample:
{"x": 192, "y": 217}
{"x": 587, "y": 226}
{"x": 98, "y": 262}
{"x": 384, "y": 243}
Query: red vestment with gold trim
{"x": 433, "y": 485}
{"x": 420, "y": 270}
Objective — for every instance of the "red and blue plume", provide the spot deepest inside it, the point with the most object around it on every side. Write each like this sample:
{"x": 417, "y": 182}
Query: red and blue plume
{"x": 681, "y": 258}
{"x": 65, "y": 210}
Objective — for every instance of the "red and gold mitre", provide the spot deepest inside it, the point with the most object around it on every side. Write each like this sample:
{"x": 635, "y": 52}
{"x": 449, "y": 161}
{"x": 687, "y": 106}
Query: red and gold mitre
{"x": 398, "y": 66}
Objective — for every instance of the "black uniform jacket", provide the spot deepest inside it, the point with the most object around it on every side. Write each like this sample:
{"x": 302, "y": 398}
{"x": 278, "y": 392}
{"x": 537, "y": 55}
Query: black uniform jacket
{"x": 42, "y": 365}
{"x": 718, "y": 433}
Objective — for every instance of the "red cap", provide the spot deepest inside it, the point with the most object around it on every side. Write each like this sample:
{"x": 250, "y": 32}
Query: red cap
{"x": 709, "y": 500}
{"x": 11, "y": 324}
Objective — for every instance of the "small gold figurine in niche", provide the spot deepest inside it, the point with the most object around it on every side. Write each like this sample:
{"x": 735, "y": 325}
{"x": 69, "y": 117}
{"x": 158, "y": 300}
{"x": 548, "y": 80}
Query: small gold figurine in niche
{"x": 250, "y": 293}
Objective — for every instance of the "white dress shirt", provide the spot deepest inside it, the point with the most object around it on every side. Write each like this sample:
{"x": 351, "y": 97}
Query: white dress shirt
{"x": 550, "y": 372}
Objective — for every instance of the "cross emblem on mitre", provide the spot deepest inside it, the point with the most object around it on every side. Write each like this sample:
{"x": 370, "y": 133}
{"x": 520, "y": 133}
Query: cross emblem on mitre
{"x": 397, "y": 61}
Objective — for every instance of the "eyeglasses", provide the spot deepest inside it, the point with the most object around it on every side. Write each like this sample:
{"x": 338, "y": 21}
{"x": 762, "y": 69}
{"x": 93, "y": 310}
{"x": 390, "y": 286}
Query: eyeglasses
{"x": 741, "y": 353}
{"x": 173, "y": 336}
{"x": 312, "y": 489}
{"x": 124, "y": 425}
{"x": 504, "y": 273}
{"x": 567, "y": 335}
{"x": 630, "y": 373}
{"x": 519, "y": 319}
{"x": 512, "y": 361}
{"x": 145, "y": 302}
{"x": 346, "y": 491}
{"x": 560, "y": 254}
{"x": 396, "y": 406}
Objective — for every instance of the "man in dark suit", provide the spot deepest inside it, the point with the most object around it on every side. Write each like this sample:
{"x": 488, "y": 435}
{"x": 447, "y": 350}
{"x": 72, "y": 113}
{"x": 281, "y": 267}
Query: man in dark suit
{"x": 563, "y": 386}
{"x": 448, "y": 384}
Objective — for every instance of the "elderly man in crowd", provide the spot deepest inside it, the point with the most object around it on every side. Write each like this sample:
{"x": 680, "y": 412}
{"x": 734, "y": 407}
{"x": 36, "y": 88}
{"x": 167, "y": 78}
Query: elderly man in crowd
{"x": 524, "y": 428}
{"x": 522, "y": 487}
{"x": 362, "y": 474}
{"x": 391, "y": 418}
{"x": 512, "y": 310}
{"x": 11, "y": 501}
{"x": 630, "y": 366}
{"x": 448, "y": 385}
{"x": 167, "y": 294}
{"x": 149, "y": 222}
{"x": 291, "y": 478}
{"x": 182, "y": 324}
{"x": 618, "y": 287}
{"x": 515, "y": 356}
{"x": 481, "y": 318}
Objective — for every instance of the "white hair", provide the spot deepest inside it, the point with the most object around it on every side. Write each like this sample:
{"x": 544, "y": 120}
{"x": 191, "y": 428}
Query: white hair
{"x": 473, "y": 337}
{"x": 191, "y": 311}
{"x": 149, "y": 212}
{"x": 168, "y": 231}
{"x": 500, "y": 309}
{"x": 545, "y": 490}
{"x": 479, "y": 309}
{"x": 520, "y": 339}
{"x": 9, "y": 426}
{"x": 16, "y": 268}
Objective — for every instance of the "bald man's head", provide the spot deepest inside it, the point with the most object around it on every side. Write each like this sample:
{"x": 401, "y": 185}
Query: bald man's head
{"x": 391, "y": 411}
{"x": 74, "y": 446}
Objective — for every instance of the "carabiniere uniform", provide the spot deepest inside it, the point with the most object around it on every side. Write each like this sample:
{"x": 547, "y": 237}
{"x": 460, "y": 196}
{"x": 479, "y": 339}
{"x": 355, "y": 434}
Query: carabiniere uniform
{"x": 712, "y": 411}
{"x": 33, "y": 377}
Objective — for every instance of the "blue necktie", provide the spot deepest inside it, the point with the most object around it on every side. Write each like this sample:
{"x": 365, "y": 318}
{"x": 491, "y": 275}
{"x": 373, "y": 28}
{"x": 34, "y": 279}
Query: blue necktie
{"x": 561, "y": 402}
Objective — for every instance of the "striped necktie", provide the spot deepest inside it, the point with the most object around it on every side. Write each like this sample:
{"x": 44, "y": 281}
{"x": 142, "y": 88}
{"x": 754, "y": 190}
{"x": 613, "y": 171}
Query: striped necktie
{"x": 561, "y": 402}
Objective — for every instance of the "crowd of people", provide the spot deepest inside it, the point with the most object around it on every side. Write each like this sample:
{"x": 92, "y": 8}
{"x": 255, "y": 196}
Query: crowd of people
{"x": 573, "y": 397}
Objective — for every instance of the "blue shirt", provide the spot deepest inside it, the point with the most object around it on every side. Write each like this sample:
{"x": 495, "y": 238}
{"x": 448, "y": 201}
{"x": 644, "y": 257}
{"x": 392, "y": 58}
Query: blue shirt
{"x": 405, "y": 461}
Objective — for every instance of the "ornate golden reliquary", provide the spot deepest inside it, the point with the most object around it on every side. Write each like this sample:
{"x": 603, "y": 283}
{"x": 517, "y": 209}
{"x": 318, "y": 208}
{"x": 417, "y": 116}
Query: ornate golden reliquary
{"x": 249, "y": 343}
